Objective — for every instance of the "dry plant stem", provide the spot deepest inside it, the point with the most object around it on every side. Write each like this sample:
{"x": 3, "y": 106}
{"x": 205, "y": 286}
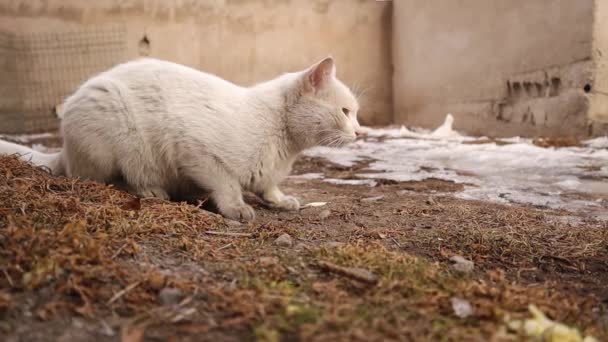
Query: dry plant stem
{"x": 350, "y": 272}
{"x": 229, "y": 234}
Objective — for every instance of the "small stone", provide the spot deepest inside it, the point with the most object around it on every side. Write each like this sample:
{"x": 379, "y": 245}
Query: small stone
{"x": 156, "y": 280}
{"x": 333, "y": 244}
{"x": 371, "y": 199}
{"x": 106, "y": 329}
{"x": 268, "y": 261}
{"x": 233, "y": 223}
{"x": 77, "y": 323}
{"x": 461, "y": 307}
{"x": 284, "y": 240}
{"x": 170, "y": 296}
{"x": 461, "y": 264}
{"x": 324, "y": 214}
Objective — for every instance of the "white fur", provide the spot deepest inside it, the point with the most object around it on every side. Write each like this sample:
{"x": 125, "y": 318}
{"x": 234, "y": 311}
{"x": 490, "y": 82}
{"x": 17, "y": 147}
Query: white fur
{"x": 164, "y": 129}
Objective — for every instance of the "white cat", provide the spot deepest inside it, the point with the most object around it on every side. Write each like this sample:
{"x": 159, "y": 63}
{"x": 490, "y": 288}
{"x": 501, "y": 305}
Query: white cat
{"x": 164, "y": 128}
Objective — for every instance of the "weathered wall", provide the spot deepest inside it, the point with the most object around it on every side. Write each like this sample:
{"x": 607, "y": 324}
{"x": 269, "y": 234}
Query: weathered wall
{"x": 599, "y": 93}
{"x": 513, "y": 67}
{"x": 244, "y": 41}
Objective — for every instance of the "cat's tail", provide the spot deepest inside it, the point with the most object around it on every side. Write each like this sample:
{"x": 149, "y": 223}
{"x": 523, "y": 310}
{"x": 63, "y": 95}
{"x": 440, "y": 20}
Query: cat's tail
{"x": 52, "y": 161}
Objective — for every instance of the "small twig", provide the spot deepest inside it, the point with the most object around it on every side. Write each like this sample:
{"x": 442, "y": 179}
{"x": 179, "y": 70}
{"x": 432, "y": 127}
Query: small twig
{"x": 183, "y": 314}
{"x": 8, "y": 277}
{"x": 396, "y": 242}
{"x": 287, "y": 298}
{"x": 224, "y": 247}
{"x": 359, "y": 274}
{"x": 123, "y": 292}
{"x": 210, "y": 232}
{"x": 201, "y": 203}
{"x": 119, "y": 250}
{"x": 529, "y": 269}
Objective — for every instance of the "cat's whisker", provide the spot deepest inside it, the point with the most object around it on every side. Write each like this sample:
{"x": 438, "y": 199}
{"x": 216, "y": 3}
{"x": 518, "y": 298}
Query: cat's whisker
{"x": 362, "y": 93}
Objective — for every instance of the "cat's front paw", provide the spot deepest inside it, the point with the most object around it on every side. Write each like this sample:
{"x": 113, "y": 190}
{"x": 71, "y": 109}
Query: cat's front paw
{"x": 153, "y": 192}
{"x": 242, "y": 212}
{"x": 289, "y": 203}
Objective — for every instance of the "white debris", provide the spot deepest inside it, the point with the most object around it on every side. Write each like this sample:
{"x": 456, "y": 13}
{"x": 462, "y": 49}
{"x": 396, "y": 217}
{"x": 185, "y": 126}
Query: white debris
{"x": 446, "y": 130}
{"x": 461, "y": 307}
{"x": 314, "y": 204}
{"x": 371, "y": 199}
{"x": 461, "y": 264}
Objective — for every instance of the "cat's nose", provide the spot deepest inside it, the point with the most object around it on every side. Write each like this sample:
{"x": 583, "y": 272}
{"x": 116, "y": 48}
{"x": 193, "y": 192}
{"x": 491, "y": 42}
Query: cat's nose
{"x": 359, "y": 134}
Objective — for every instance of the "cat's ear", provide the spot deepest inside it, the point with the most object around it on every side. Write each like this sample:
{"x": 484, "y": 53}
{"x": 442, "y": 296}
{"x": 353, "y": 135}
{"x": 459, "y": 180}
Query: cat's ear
{"x": 319, "y": 74}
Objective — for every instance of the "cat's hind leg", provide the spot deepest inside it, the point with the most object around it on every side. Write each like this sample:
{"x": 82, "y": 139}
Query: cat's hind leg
{"x": 143, "y": 179}
{"x": 87, "y": 160}
{"x": 224, "y": 189}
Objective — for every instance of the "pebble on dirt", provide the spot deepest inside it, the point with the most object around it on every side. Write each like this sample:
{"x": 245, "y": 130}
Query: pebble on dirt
{"x": 462, "y": 308}
{"x": 285, "y": 240}
{"x": 324, "y": 214}
{"x": 371, "y": 199}
{"x": 268, "y": 261}
{"x": 233, "y": 223}
{"x": 461, "y": 264}
{"x": 170, "y": 296}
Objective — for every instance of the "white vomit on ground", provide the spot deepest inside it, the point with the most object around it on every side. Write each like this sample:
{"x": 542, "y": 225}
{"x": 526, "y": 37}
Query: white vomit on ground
{"x": 518, "y": 172}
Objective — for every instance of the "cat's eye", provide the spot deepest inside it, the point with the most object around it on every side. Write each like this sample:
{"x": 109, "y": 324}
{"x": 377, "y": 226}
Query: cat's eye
{"x": 345, "y": 111}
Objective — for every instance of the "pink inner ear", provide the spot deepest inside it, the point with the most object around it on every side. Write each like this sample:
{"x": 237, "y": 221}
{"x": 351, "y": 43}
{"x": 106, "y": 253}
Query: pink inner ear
{"x": 321, "y": 72}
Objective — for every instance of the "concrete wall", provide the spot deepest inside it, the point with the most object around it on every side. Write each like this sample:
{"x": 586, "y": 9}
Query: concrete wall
{"x": 515, "y": 67}
{"x": 244, "y": 41}
{"x": 599, "y": 93}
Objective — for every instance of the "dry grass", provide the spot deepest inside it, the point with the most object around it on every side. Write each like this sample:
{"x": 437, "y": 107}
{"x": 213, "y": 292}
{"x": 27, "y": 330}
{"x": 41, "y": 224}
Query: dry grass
{"x": 77, "y": 251}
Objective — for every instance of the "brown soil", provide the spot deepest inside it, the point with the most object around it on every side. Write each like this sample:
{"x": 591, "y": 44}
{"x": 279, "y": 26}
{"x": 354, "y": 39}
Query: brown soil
{"x": 81, "y": 261}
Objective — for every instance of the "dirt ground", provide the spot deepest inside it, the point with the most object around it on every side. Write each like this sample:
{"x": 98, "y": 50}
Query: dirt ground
{"x": 80, "y": 261}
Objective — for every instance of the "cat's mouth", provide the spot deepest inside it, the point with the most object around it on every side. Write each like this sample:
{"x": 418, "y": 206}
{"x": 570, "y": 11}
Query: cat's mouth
{"x": 337, "y": 140}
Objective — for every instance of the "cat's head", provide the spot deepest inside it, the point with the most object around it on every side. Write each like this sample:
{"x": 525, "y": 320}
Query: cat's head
{"x": 324, "y": 109}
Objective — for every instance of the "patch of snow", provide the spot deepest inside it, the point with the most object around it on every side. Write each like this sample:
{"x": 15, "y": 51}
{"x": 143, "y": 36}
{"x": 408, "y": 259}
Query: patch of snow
{"x": 601, "y": 142}
{"x": 446, "y": 130}
{"x": 44, "y": 149}
{"x": 443, "y": 132}
{"x": 368, "y": 182}
{"x": 519, "y": 172}
{"x": 341, "y": 156}
{"x": 26, "y": 138}
{"x": 308, "y": 176}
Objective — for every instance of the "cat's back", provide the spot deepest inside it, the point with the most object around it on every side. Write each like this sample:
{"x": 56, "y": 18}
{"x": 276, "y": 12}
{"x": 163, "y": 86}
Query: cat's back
{"x": 150, "y": 88}
{"x": 167, "y": 75}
